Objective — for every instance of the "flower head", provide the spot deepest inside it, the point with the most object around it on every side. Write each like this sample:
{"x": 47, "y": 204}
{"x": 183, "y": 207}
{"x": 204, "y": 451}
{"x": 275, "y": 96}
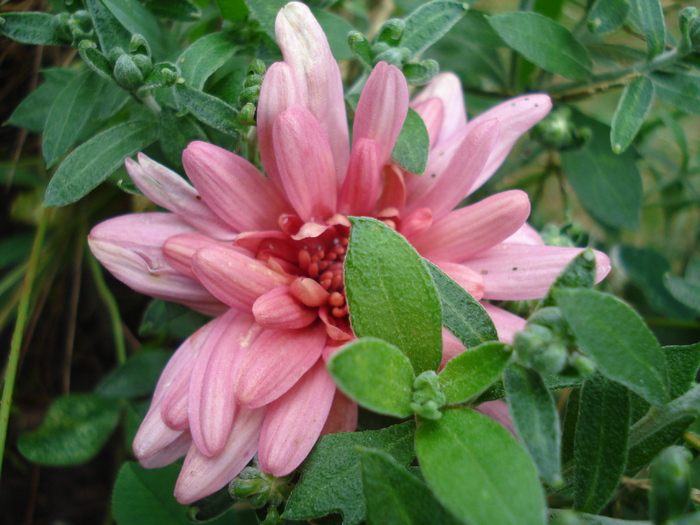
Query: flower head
{"x": 264, "y": 254}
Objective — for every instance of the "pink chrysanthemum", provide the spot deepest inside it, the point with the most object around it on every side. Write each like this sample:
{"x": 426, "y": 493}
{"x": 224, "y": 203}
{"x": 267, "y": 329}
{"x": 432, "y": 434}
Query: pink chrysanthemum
{"x": 264, "y": 255}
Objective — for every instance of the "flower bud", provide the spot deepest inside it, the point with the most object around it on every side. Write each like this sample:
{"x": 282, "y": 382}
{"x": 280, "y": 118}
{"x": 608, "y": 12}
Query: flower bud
{"x": 257, "y": 67}
{"x": 144, "y": 63}
{"x": 247, "y": 115}
{"x": 558, "y": 131}
{"x": 252, "y": 79}
{"x": 259, "y": 488}
{"x": 421, "y": 73}
{"x": 127, "y": 74}
{"x": 361, "y": 47}
{"x": 670, "y": 484}
{"x": 427, "y": 396}
{"x": 139, "y": 44}
{"x": 249, "y": 94}
{"x": 391, "y": 31}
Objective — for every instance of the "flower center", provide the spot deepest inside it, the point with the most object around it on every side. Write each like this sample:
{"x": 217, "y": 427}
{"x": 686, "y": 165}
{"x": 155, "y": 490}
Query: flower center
{"x": 324, "y": 264}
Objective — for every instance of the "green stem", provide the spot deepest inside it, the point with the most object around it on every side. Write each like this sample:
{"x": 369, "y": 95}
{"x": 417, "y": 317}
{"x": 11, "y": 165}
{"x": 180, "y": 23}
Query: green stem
{"x": 112, "y": 308}
{"x": 18, "y": 334}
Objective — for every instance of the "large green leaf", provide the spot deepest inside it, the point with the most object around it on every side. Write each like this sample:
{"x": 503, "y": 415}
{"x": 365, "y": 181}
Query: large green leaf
{"x": 139, "y": 20}
{"x": 430, "y": 22}
{"x": 607, "y": 15}
{"x": 602, "y": 433}
{"x": 412, "y": 145}
{"x": 331, "y": 479}
{"x": 544, "y": 42}
{"x": 683, "y": 290}
{"x": 265, "y": 12}
{"x": 376, "y": 374}
{"x": 92, "y": 162}
{"x": 616, "y": 338}
{"x": 137, "y": 377}
{"x": 74, "y": 430}
{"x": 336, "y": 30}
{"x": 390, "y": 293}
{"x": 175, "y": 133}
{"x": 110, "y": 31}
{"x": 631, "y": 112}
{"x": 649, "y": 16}
{"x": 200, "y": 60}
{"x": 478, "y": 471}
{"x": 579, "y": 273}
{"x": 209, "y": 109}
{"x": 30, "y": 28}
{"x": 680, "y": 90}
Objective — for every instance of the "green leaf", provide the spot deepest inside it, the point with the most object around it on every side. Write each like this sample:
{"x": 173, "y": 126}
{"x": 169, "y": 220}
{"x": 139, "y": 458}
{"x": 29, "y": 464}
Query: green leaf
{"x": 616, "y": 338}
{"x": 411, "y": 148}
{"x": 544, "y": 42}
{"x": 209, "y": 109}
{"x": 468, "y": 374}
{"x": 478, "y": 471}
{"x": 336, "y": 30}
{"x": 178, "y": 10}
{"x": 390, "y": 293}
{"x": 92, "y": 162}
{"x": 683, "y": 363}
{"x": 536, "y": 420}
{"x": 609, "y": 186}
{"x": 606, "y": 16}
{"x": 640, "y": 454}
{"x": 568, "y": 433}
{"x": 265, "y": 12}
{"x": 232, "y": 10}
{"x": 213, "y": 506}
{"x": 650, "y": 17}
{"x": 461, "y": 313}
{"x": 74, "y": 430}
{"x": 200, "y": 60}
{"x": 110, "y": 32}
{"x": 631, "y": 112}
{"x": 394, "y": 496}
{"x": 680, "y": 90}
{"x": 175, "y": 133}
{"x": 135, "y": 378}
{"x": 331, "y": 479}
{"x": 579, "y": 273}
{"x": 549, "y": 8}
{"x": 602, "y": 433}
{"x": 685, "y": 291}
{"x": 376, "y": 374}
{"x": 69, "y": 115}
{"x": 30, "y": 28}
{"x": 429, "y": 23}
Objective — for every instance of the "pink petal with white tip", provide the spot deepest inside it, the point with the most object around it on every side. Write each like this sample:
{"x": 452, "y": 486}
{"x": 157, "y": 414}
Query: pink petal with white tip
{"x": 201, "y": 475}
{"x": 468, "y": 279}
{"x": 167, "y": 455}
{"x": 342, "y": 416}
{"x": 235, "y": 278}
{"x": 294, "y": 422}
{"x": 447, "y": 88}
{"x": 305, "y": 164}
{"x": 506, "y": 323}
{"x": 233, "y": 187}
{"x": 275, "y": 362}
{"x": 467, "y": 231}
{"x": 279, "y": 309}
{"x": 167, "y": 189}
{"x": 516, "y": 272}
{"x": 363, "y": 181}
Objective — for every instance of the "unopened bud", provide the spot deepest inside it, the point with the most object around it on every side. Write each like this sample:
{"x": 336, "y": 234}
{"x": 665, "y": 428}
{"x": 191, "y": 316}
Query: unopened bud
{"x": 670, "y": 484}
{"x": 139, "y": 44}
{"x": 249, "y": 94}
{"x": 427, "y": 396}
{"x": 259, "y": 488}
{"x": 144, "y": 63}
{"x": 247, "y": 114}
{"x": 421, "y": 73}
{"x": 127, "y": 74}
{"x": 391, "y": 31}
{"x": 584, "y": 365}
{"x": 257, "y": 67}
{"x": 361, "y": 47}
{"x": 252, "y": 79}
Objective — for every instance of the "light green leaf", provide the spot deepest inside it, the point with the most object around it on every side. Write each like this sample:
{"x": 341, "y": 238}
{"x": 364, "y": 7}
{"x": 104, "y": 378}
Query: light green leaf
{"x": 544, "y": 42}
{"x": 616, "y": 338}
{"x": 478, "y": 471}
{"x": 209, "y": 109}
{"x": 412, "y": 145}
{"x": 631, "y": 112}
{"x": 429, "y": 23}
{"x": 390, "y": 293}
{"x": 606, "y": 16}
{"x": 30, "y": 28}
{"x": 650, "y": 17}
{"x": 376, "y": 374}
{"x": 74, "y": 430}
{"x": 468, "y": 374}
{"x": 200, "y": 60}
{"x": 92, "y": 162}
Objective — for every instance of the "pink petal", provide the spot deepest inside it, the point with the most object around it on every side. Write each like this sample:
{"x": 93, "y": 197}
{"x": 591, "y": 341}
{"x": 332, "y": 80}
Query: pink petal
{"x": 513, "y": 272}
{"x": 170, "y": 453}
{"x": 306, "y": 50}
{"x": 471, "y": 281}
{"x": 294, "y": 422}
{"x": 416, "y": 223}
{"x": 362, "y": 183}
{"x": 275, "y": 362}
{"x": 167, "y": 189}
{"x": 393, "y": 195}
{"x": 278, "y": 309}
{"x": 526, "y": 234}
{"x": 432, "y": 112}
{"x": 498, "y": 411}
{"x": 467, "y": 231}
{"x": 173, "y": 409}
{"x": 201, "y": 475}
{"x": 451, "y": 346}
{"x": 305, "y": 164}
{"x": 506, "y": 323}
{"x": 342, "y": 416}
{"x": 235, "y": 278}
{"x": 233, "y": 187}
{"x": 179, "y": 250}
{"x": 211, "y": 395}
{"x": 447, "y": 88}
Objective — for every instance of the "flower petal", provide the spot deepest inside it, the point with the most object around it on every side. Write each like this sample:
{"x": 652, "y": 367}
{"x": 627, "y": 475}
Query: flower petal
{"x": 342, "y": 416}
{"x": 451, "y": 346}
{"x": 294, "y": 422}
{"x": 170, "y": 453}
{"x": 526, "y": 234}
{"x": 463, "y": 276}
{"x": 447, "y": 88}
{"x": 233, "y": 187}
{"x": 275, "y": 362}
{"x": 278, "y": 309}
{"x": 498, "y": 411}
{"x": 362, "y": 183}
{"x": 416, "y": 223}
{"x": 506, "y": 323}
{"x": 201, "y": 475}
{"x": 470, "y": 230}
{"x": 513, "y": 272}
{"x": 432, "y": 112}
{"x": 393, "y": 195}
{"x": 179, "y": 250}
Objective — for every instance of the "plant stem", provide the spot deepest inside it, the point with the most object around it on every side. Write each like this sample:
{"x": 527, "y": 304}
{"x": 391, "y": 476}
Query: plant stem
{"x": 112, "y": 308}
{"x": 18, "y": 334}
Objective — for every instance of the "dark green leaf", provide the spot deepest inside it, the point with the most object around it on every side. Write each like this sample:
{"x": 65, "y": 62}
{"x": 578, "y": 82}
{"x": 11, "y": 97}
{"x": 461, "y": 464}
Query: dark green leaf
{"x": 685, "y": 291}
{"x": 579, "y": 273}
{"x": 394, "y": 496}
{"x": 157, "y": 316}
{"x": 200, "y": 60}
{"x": 265, "y": 12}
{"x": 179, "y": 10}
{"x": 135, "y": 378}
{"x": 232, "y": 10}
{"x": 376, "y": 374}
{"x": 429, "y": 23}
{"x": 683, "y": 363}
{"x": 640, "y": 454}
{"x": 110, "y": 32}
{"x": 616, "y": 338}
{"x": 631, "y": 112}
{"x": 606, "y": 16}
{"x": 478, "y": 471}
{"x": 470, "y": 373}
{"x": 680, "y": 90}
{"x": 336, "y": 30}
{"x": 73, "y": 431}
{"x": 209, "y": 109}
{"x": 211, "y": 507}
{"x": 602, "y": 433}
{"x": 332, "y": 474}
{"x": 15, "y": 248}
{"x": 30, "y": 28}
{"x": 69, "y": 115}
{"x": 92, "y": 162}
{"x": 650, "y": 17}
{"x": 568, "y": 433}
{"x": 176, "y": 133}
{"x": 390, "y": 293}
{"x": 139, "y": 20}
{"x": 544, "y": 42}
{"x": 411, "y": 148}
{"x": 549, "y": 8}
{"x": 536, "y": 420}
{"x": 608, "y": 185}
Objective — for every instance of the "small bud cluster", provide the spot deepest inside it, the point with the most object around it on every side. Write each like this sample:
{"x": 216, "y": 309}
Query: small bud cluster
{"x": 689, "y": 23}
{"x": 260, "y": 489}
{"x": 248, "y": 98}
{"x": 558, "y": 131}
{"x": 427, "y": 396}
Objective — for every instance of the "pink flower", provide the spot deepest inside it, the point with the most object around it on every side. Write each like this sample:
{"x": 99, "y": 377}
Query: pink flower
{"x": 265, "y": 254}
